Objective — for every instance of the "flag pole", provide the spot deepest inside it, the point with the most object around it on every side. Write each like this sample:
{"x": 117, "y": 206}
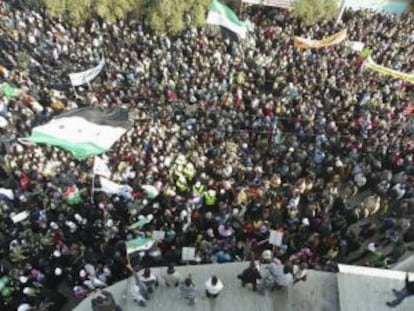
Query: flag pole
{"x": 74, "y": 91}
{"x": 93, "y": 187}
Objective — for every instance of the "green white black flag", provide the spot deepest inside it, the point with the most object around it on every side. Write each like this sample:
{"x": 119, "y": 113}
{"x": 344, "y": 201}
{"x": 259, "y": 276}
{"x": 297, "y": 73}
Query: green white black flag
{"x": 222, "y": 15}
{"x": 83, "y": 132}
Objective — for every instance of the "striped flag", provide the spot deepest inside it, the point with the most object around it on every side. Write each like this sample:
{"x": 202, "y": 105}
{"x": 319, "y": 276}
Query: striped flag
{"x": 84, "y": 132}
{"x": 72, "y": 195}
{"x": 222, "y": 15}
{"x": 138, "y": 245}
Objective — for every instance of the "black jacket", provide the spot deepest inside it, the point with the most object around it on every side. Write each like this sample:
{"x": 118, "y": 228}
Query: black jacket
{"x": 409, "y": 285}
{"x": 250, "y": 275}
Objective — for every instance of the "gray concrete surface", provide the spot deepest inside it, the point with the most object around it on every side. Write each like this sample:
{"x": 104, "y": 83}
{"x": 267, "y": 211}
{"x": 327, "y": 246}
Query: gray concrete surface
{"x": 406, "y": 264}
{"x": 319, "y": 293}
{"x": 368, "y": 289}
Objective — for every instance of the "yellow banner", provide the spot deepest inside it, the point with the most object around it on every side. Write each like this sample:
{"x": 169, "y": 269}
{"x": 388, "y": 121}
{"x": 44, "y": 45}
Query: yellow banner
{"x": 303, "y": 43}
{"x": 387, "y": 71}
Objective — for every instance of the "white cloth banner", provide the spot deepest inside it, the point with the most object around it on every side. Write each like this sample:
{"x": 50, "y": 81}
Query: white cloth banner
{"x": 8, "y": 193}
{"x": 100, "y": 168}
{"x": 86, "y": 76}
{"x": 111, "y": 187}
{"x": 356, "y": 45}
{"x": 20, "y": 216}
{"x": 286, "y": 4}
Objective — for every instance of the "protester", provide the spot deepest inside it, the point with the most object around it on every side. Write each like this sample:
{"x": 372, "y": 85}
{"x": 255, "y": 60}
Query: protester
{"x": 172, "y": 278}
{"x": 213, "y": 287}
{"x": 407, "y": 291}
{"x": 250, "y": 275}
{"x": 149, "y": 279}
{"x": 300, "y": 273}
{"x": 230, "y": 140}
{"x": 137, "y": 288}
{"x": 188, "y": 291}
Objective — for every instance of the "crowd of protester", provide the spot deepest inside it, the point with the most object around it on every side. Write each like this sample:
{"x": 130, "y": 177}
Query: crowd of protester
{"x": 239, "y": 138}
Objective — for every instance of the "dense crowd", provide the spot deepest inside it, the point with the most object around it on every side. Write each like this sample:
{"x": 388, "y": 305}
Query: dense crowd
{"x": 239, "y": 138}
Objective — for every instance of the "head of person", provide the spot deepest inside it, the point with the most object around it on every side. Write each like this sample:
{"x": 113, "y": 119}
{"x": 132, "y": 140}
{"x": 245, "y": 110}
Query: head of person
{"x": 188, "y": 282}
{"x": 147, "y": 272}
{"x": 171, "y": 269}
{"x": 214, "y": 280}
{"x": 252, "y": 264}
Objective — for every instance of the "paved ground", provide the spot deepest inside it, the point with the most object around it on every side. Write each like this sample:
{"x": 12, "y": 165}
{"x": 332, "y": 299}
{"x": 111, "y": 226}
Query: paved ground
{"x": 319, "y": 293}
{"x": 406, "y": 264}
{"x": 368, "y": 289}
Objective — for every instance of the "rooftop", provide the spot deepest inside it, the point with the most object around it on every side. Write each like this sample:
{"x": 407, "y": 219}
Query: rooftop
{"x": 353, "y": 288}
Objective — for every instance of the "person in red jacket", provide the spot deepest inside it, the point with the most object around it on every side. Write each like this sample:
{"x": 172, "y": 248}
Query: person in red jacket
{"x": 400, "y": 295}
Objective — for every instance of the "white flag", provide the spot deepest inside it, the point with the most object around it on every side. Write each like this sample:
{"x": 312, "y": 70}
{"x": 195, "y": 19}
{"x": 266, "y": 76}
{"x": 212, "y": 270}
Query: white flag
{"x": 356, "y": 45}
{"x": 20, "y": 217}
{"x": 8, "y": 193}
{"x": 111, "y": 187}
{"x": 79, "y": 78}
{"x": 150, "y": 191}
{"x": 101, "y": 168}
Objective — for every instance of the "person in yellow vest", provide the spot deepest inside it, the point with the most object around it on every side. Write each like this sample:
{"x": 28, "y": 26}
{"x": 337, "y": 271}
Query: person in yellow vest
{"x": 180, "y": 160}
{"x": 189, "y": 171}
{"x": 181, "y": 184}
{"x": 198, "y": 189}
{"x": 178, "y": 171}
{"x": 177, "y": 167}
{"x": 210, "y": 198}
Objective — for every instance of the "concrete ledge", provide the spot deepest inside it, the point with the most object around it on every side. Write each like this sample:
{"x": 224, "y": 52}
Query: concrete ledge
{"x": 373, "y": 272}
{"x": 318, "y": 293}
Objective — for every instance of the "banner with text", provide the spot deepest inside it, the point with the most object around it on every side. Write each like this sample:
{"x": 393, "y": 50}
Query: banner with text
{"x": 369, "y": 63}
{"x": 286, "y": 4}
{"x": 303, "y": 43}
{"x": 80, "y": 78}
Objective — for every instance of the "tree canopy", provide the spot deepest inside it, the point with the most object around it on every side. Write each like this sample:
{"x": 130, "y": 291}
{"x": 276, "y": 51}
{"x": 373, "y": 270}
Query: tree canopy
{"x": 163, "y": 16}
{"x": 311, "y": 11}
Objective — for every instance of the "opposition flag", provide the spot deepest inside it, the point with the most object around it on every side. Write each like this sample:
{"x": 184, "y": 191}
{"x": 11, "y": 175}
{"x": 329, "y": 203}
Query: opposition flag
{"x": 222, "y": 15}
{"x": 101, "y": 168}
{"x": 9, "y": 91}
{"x": 84, "y": 132}
{"x": 140, "y": 223}
{"x": 138, "y": 244}
{"x": 72, "y": 195}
